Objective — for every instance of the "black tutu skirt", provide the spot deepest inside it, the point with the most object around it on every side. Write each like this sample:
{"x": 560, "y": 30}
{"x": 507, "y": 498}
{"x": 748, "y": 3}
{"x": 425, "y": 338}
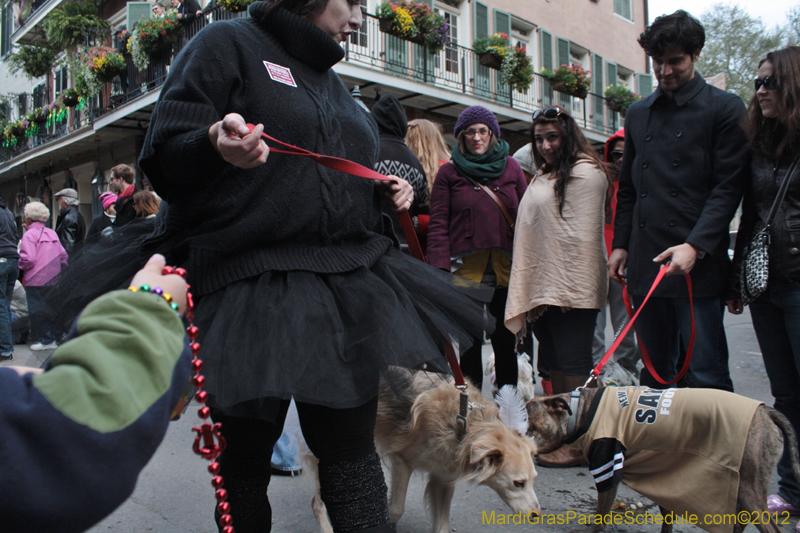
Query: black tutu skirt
{"x": 325, "y": 338}
{"x": 320, "y": 338}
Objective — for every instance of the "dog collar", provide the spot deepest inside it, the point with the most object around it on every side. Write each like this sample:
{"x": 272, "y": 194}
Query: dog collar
{"x": 574, "y": 405}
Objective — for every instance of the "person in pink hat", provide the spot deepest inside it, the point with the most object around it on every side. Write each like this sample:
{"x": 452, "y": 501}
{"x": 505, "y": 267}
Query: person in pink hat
{"x": 109, "y": 200}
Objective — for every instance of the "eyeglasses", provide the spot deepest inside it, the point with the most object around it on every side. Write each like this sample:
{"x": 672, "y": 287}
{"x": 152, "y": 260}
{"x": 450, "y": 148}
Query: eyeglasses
{"x": 483, "y": 132}
{"x": 616, "y": 154}
{"x": 768, "y": 83}
{"x": 550, "y": 112}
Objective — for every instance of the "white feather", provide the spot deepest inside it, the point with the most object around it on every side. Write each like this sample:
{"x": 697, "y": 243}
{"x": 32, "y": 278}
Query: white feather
{"x": 512, "y": 409}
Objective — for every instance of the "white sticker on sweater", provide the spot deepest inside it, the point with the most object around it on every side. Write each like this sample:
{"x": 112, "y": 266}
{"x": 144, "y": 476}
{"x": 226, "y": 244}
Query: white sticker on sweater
{"x": 280, "y": 74}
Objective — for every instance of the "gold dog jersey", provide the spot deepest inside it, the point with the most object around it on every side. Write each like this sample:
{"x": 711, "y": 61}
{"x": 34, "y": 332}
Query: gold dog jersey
{"x": 682, "y": 448}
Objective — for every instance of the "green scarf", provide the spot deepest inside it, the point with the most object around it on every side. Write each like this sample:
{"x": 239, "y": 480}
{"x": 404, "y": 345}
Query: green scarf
{"x": 483, "y": 168}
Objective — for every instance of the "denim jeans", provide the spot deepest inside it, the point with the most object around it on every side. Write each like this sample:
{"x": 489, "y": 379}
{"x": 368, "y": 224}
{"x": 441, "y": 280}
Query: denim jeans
{"x": 9, "y": 270}
{"x": 665, "y": 324}
{"x": 40, "y": 325}
{"x": 776, "y": 319}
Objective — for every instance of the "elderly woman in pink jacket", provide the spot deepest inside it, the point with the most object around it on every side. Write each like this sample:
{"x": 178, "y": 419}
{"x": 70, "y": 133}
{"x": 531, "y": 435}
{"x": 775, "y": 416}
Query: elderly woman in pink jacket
{"x": 41, "y": 259}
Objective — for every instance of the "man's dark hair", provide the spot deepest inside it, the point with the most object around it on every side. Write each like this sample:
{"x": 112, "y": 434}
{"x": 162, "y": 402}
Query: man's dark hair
{"x": 123, "y": 171}
{"x": 679, "y": 31}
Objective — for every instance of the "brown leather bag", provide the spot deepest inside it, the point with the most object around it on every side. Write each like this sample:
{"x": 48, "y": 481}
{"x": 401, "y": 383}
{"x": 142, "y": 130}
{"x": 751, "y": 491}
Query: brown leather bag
{"x": 494, "y": 197}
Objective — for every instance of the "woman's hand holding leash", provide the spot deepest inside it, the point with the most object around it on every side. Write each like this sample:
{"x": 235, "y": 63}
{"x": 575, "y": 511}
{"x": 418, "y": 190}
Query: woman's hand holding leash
{"x": 237, "y": 144}
{"x": 399, "y": 193}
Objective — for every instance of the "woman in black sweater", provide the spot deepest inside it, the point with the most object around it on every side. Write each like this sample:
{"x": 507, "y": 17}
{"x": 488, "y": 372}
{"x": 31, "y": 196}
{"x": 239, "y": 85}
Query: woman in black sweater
{"x": 299, "y": 291}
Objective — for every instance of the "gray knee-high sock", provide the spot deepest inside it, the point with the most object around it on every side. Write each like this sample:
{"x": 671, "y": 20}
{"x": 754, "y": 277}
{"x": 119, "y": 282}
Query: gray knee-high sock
{"x": 354, "y": 492}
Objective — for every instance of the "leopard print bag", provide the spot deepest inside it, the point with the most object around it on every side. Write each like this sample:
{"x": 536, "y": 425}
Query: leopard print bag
{"x": 754, "y": 272}
{"x": 755, "y": 267}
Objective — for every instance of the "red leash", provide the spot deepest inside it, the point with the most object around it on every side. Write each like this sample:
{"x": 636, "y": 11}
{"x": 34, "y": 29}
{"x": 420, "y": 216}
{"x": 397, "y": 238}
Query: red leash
{"x": 645, "y": 357}
{"x": 354, "y": 169}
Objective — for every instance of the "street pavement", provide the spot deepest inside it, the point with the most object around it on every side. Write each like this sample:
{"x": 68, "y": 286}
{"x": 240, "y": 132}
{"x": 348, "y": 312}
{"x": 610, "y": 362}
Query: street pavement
{"x": 174, "y": 494}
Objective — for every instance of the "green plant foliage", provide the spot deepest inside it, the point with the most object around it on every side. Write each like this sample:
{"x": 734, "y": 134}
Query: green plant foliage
{"x": 34, "y": 60}
{"x": 571, "y": 80}
{"x": 620, "y": 98}
{"x": 70, "y": 24}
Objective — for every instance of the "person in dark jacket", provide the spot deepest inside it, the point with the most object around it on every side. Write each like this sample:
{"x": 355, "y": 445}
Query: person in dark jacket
{"x": 468, "y": 232}
{"x": 106, "y": 219}
{"x": 773, "y": 125}
{"x": 9, "y": 270}
{"x": 683, "y": 172}
{"x": 188, "y": 10}
{"x": 122, "y": 182}
{"x": 123, "y": 36}
{"x": 396, "y": 159}
{"x": 70, "y": 226}
{"x": 299, "y": 293}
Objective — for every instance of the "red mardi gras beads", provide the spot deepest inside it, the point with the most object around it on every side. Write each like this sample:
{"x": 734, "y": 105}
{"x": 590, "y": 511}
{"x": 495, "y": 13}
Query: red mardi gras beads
{"x": 209, "y": 442}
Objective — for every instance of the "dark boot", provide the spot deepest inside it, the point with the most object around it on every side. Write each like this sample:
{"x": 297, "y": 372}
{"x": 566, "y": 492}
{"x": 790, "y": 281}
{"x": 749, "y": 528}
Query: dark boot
{"x": 354, "y": 493}
{"x": 250, "y": 508}
{"x": 566, "y": 456}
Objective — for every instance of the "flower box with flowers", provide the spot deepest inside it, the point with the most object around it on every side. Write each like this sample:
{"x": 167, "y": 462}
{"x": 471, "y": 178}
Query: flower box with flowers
{"x": 492, "y": 50}
{"x": 151, "y": 36}
{"x": 415, "y": 22}
{"x": 70, "y": 97}
{"x": 572, "y": 80}
{"x": 619, "y": 98}
{"x": 234, "y": 6}
{"x": 105, "y": 63}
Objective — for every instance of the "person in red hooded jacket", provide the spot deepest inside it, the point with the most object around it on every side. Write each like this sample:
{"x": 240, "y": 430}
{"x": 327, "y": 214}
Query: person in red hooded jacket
{"x": 621, "y": 368}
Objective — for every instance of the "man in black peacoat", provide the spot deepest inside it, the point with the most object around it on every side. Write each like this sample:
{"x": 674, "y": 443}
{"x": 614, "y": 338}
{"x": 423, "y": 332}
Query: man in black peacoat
{"x": 683, "y": 172}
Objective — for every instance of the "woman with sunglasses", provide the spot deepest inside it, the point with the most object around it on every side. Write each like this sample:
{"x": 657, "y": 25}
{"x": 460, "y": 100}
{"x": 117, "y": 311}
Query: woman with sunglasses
{"x": 772, "y": 123}
{"x": 471, "y": 235}
{"x": 558, "y": 278}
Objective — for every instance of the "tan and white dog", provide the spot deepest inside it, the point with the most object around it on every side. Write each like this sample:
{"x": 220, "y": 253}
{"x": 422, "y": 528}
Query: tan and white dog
{"x": 416, "y": 430}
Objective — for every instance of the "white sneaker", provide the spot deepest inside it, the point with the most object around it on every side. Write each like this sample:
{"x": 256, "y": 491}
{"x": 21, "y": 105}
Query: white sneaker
{"x": 38, "y": 347}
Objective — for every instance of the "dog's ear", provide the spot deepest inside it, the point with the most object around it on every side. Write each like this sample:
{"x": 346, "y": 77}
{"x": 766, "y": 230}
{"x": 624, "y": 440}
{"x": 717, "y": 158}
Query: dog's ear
{"x": 557, "y": 405}
{"x": 486, "y": 460}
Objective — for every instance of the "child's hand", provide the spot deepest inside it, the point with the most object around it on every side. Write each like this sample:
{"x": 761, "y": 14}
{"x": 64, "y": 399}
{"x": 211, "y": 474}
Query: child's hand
{"x": 174, "y": 285}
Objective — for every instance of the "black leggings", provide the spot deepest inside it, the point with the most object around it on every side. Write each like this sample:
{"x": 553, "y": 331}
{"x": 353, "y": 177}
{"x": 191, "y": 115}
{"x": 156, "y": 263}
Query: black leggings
{"x": 503, "y": 343}
{"x": 331, "y": 435}
{"x": 565, "y": 339}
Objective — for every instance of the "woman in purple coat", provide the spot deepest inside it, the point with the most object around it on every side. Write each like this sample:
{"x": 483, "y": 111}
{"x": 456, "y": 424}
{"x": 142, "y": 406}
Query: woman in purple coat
{"x": 470, "y": 235}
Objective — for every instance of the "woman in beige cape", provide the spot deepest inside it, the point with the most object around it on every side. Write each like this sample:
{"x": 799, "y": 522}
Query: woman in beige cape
{"x": 558, "y": 277}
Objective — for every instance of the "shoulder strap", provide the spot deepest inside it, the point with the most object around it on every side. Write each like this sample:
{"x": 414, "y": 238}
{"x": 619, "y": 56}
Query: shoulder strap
{"x": 781, "y": 193}
{"x": 503, "y": 209}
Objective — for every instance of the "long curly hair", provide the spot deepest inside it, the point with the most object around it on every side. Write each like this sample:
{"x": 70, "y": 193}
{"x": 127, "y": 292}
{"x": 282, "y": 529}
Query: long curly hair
{"x": 574, "y": 146}
{"x": 778, "y": 138}
{"x": 425, "y": 140}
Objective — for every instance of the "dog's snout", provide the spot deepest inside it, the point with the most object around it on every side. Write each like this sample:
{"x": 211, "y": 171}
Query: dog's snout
{"x": 533, "y": 515}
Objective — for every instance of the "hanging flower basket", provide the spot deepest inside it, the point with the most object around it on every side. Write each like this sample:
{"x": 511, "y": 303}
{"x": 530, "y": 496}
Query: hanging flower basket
{"x": 570, "y": 80}
{"x": 491, "y": 60}
{"x": 415, "y": 22}
{"x": 417, "y": 39}
{"x": 615, "y": 107}
{"x": 619, "y": 98}
{"x": 234, "y": 6}
{"x": 385, "y": 25}
{"x": 559, "y": 85}
{"x": 70, "y": 97}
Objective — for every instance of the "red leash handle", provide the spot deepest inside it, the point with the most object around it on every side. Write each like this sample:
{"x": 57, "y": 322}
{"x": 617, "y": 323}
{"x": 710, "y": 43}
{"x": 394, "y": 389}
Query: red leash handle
{"x": 354, "y": 169}
{"x": 645, "y": 356}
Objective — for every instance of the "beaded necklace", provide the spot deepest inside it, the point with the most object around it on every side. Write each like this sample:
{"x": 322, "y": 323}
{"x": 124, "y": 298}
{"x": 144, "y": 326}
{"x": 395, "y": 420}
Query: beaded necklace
{"x": 209, "y": 442}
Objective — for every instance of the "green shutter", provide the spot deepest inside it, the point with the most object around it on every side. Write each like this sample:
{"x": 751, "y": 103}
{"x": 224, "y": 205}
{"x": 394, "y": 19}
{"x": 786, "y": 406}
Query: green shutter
{"x": 562, "y": 54}
{"x": 611, "y": 73}
{"x": 547, "y": 62}
{"x": 136, "y": 11}
{"x": 618, "y": 7}
{"x": 502, "y": 24}
{"x": 481, "y": 18}
{"x": 644, "y": 84}
{"x": 547, "y": 50}
{"x": 598, "y": 103}
{"x": 626, "y": 9}
{"x": 481, "y": 29}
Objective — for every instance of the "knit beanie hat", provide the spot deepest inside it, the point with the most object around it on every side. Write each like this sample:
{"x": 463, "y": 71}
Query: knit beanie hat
{"x": 476, "y": 115}
{"x": 108, "y": 198}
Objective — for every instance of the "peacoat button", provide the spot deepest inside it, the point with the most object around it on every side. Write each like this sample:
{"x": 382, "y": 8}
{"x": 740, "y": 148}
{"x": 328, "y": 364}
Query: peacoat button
{"x": 643, "y": 194}
{"x": 678, "y": 133}
{"x": 675, "y": 162}
{"x": 673, "y": 192}
{"x": 648, "y": 137}
{"x": 641, "y": 223}
{"x": 672, "y": 222}
{"x": 794, "y": 251}
{"x": 645, "y": 164}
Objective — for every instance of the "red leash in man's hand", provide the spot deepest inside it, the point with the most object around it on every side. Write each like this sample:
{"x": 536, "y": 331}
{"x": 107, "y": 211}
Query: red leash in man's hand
{"x": 645, "y": 356}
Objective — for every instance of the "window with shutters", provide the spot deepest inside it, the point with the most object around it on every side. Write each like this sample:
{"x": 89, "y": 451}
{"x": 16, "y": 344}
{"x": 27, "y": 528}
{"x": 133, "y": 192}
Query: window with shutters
{"x": 22, "y": 104}
{"x": 61, "y": 80}
{"x": 546, "y": 47}
{"x": 451, "y": 49}
{"x": 6, "y": 27}
{"x": 359, "y": 38}
{"x": 481, "y": 29}
{"x": 623, "y": 8}
{"x": 644, "y": 84}
{"x": 40, "y": 95}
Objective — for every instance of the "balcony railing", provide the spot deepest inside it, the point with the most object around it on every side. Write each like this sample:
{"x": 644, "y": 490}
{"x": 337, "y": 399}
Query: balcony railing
{"x": 454, "y": 69}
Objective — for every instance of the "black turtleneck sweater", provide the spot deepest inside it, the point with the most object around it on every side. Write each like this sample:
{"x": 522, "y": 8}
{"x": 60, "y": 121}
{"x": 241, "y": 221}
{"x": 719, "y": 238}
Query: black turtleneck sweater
{"x": 226, "y": 223}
